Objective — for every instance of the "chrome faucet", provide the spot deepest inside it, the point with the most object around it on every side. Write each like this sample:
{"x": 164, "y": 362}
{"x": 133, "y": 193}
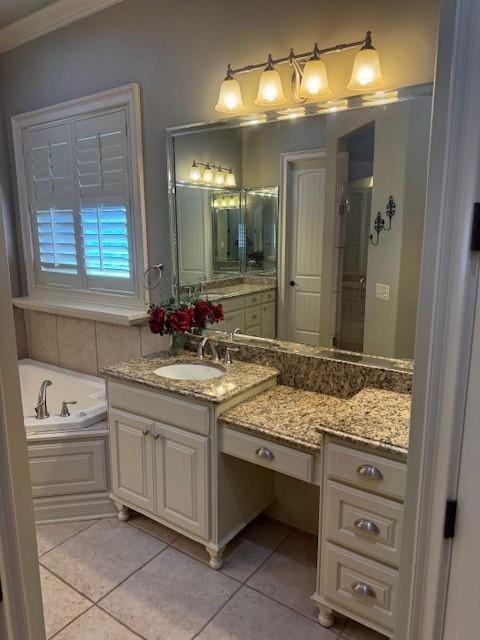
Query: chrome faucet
{"x": 234, "y": 333}
{"x": 201, "y": 348}
{"x": 41, "y": 408}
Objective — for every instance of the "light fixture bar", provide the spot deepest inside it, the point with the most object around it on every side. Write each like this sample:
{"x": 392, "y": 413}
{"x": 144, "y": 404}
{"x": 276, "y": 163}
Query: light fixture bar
{"x": 299, "y": 56}
{"x": 211, "y": 166}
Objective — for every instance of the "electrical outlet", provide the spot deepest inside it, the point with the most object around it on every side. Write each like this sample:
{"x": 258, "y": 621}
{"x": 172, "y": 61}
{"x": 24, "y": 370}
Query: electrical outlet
{"x": 382, "y": 291}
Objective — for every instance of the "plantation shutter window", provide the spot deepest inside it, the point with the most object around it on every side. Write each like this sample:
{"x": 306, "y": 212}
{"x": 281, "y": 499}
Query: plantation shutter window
{"x": 84, "y": 231}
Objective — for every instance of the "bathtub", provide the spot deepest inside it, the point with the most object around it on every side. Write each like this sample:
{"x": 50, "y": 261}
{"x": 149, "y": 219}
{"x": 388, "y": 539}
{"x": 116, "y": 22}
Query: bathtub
{"x": 69, "y": 457}
{"x": 87, "y": 391}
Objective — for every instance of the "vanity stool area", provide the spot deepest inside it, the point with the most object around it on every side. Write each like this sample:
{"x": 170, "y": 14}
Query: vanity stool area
{"x": 200, "y": 457}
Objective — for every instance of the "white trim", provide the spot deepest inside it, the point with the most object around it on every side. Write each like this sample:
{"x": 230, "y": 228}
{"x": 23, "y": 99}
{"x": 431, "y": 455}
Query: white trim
{"x": 287, "y": 158}
{"x": 127, "y": 96}
{"x": 444, "y": 332}
{"x": 50, "y": 18}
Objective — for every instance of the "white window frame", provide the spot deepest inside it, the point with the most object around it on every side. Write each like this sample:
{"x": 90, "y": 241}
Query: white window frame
{"x": 128, "y": 98}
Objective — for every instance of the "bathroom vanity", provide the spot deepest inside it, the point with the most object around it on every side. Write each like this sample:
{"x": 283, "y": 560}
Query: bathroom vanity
{"x": 199, "y": 456}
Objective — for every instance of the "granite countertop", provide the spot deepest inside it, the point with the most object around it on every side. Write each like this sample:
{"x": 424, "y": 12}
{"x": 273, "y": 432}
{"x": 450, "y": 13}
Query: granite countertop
{"x": 239, "y": 376}
{"x": 243, "y": 289}
{"x": 373, "y": 417}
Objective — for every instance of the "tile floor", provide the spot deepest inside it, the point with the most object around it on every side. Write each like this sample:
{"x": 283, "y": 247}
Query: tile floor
{"x": 109, "y": 580}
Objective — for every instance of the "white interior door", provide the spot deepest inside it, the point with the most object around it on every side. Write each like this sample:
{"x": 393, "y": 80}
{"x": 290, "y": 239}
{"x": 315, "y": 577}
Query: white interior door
{"x": 304, "y": 275}
{"x": 463, "y": 595}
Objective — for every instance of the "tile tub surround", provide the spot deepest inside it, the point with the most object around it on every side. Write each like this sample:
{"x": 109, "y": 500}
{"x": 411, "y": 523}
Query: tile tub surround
{"x": 375, "y": 418}
{"x": 160, "y": 598}
{"x": 82, "y": 345}
{"x": 317, "y": 369}
{"x": 238, "y": 377}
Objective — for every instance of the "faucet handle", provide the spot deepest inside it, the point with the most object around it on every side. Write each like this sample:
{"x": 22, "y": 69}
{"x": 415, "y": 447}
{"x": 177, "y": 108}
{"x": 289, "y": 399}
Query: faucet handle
{"x": 65, "y": 412}
{"x": 227, "y": 359}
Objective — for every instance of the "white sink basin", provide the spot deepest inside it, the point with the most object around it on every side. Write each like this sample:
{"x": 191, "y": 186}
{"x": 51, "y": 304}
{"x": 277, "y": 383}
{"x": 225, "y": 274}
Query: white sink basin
{"x": 189, "y": 371}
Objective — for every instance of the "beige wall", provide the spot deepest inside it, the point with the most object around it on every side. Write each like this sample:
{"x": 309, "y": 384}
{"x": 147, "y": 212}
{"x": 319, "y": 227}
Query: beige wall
{"x": 178, "y": 51}
{"x": 82, "y": 345}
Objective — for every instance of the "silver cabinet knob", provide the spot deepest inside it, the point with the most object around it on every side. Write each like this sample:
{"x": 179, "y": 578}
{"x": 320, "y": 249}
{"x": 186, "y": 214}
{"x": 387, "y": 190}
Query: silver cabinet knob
{"x": 146, "y": 432}
{"x": 155, "y": 435}
{"x": 363, "y": 589}
{"x": 367, "y": 526}
{"x": 263, "y": 452}
{"x": 370, "y": 471}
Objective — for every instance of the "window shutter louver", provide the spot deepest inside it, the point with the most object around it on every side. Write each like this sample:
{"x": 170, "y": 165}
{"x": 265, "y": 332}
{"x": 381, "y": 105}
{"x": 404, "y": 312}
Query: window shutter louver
{"x": 81, "y": 221}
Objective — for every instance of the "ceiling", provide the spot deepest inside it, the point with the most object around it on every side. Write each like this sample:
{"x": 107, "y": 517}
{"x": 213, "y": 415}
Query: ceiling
{"x": 13, "y": 10}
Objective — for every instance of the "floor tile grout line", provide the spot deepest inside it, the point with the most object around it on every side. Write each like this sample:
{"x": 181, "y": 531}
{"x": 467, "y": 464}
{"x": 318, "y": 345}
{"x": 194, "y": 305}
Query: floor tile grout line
{"x": 71, "y": 621}
{"x": 67, "y": 583}
{"x": 135, "y": 633}
{"x": 71, "y": 537}
{"x": 240, "y": 586}
{"x": 273, "y": 551}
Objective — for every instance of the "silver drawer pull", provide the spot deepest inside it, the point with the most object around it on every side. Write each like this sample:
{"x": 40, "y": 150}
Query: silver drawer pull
{"x": 263, "y": 452}
{"x": 367, "y": 526}
{"x": 370, "y": 472}
{"x": 363, "y": 589}
{"x": 146, "y": 432}
{"x": 155, "y": 435}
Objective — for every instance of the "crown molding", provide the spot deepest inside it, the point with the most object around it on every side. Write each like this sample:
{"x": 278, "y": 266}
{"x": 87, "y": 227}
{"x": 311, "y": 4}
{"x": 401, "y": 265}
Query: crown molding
{"x": 48, "y": 19}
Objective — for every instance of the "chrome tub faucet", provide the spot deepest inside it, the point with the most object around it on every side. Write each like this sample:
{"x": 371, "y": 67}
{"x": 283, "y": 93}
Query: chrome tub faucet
{"x": 41, "y": 408}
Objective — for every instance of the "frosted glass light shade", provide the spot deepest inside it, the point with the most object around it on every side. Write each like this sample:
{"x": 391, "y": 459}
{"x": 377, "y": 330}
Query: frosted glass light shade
{"x": 208, "y": 175}
{"x": 230, "y": 179}
{"x": 230, "y": 97}
{"x": 366, "y": 73}
{"x": 315, "y": 81}
{"x": 195, "y": 173}
{"x": 219, "y": 177}
{"x": 270, "y": 90}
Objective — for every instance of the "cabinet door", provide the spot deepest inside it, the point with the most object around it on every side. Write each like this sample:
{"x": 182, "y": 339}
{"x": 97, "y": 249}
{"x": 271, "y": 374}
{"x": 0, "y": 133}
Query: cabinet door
{"x": 182, "y": 495}
{"x": 131, "y": 446}
{"x": 268, "y": 320}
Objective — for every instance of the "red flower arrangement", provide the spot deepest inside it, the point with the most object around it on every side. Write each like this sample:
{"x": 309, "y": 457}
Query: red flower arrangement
{"x": 172, "y": 318}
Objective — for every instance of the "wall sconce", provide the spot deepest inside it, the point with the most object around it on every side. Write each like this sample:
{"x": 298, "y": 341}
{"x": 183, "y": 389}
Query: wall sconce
{"x": 379, "y": 224}
{"x": 211, "y": 174}
{"x": 309, "y": 77}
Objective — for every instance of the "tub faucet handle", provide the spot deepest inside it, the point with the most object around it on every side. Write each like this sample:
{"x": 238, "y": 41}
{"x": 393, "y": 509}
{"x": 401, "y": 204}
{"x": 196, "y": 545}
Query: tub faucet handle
{"x": 65, "y": 412}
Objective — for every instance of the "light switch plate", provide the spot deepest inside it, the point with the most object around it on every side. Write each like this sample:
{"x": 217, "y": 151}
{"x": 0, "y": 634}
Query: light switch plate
{"x": 382, "y": 291}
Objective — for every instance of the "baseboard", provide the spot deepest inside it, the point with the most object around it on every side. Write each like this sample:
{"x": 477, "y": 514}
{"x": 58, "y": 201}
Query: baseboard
{"x": 84, "y": 506}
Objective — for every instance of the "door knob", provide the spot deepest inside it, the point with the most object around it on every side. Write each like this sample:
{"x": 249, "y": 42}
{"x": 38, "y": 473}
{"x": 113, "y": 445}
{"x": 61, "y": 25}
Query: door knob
{"x": 292, "y": 283}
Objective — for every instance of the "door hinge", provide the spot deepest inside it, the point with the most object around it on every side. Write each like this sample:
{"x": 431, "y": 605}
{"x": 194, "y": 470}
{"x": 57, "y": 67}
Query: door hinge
{"x": 450, "y": 519}
{"x": 475, "y": 239}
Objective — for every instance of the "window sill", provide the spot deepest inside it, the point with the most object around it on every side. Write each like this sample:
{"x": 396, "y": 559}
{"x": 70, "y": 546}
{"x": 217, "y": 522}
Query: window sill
{"x": 104, "y": 313}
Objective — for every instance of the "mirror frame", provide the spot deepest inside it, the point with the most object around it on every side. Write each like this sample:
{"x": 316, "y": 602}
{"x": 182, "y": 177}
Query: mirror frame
{"x": 404, "y": 94}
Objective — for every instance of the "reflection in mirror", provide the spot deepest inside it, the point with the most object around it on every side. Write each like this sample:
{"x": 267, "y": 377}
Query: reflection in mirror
{"x": 336, "y": 262}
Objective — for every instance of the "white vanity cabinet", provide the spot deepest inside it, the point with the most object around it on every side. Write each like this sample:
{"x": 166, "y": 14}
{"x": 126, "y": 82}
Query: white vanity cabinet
{"x": 253, "y": 314}
{"x": 165, "y": 464}
{"x": 360, "y": 535}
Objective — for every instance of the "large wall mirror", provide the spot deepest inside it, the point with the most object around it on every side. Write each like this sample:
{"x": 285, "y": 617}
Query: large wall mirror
{"x": 308, "y": 227}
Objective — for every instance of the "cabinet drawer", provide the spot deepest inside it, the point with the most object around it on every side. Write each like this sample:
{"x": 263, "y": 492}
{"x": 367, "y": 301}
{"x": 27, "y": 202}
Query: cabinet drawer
{"x": 253, "y": 316}
{"x": 361, "y": 586}
{"x": 157, "y": 406}
{"x": 364, "y": 522}
{"x": 253, "y": 299}
{"x": 254, "y": 331}
{"x": 380, "y": 475}
{"x": 269, "y": 296}
{"x": 232, "y": 304}
{"x": 232, "y": 320}
{"x": 67, "y": 468}
{"x": 268, "y": 320}
{"x": 268, "y": 454}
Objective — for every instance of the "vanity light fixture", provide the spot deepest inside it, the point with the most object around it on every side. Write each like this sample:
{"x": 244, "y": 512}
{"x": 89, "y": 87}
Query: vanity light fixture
{"x": 309, "y": 79}
{"x": 314, "y": 83}
{"x": 209, "y": 173}
{"x": 230, "y": 179}
{"x": 207, "y": 176}
{"x": 195, "y": 172}
{"x": 270, "y": 90}
{"x": 366, "y": 73}
{"x": 219, "y": 178}
{"x": 230, "y": 97}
